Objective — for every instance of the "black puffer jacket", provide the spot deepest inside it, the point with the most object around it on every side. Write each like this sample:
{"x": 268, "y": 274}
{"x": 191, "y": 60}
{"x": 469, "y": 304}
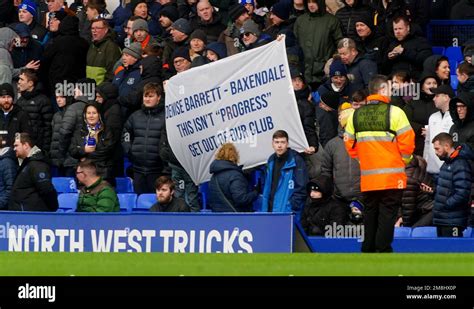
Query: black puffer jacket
{"x": 414, "y": 201}
{"x": 16, "y": 121}
{"x": 57, "y": 157}
{"x": 141, "y": 138}
{"x": 33, "y": 189}
{"x": 40, "y": 113}
{"x": 307, "y": 116}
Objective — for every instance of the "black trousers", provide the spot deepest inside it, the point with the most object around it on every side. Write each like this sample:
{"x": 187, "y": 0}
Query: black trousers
{"x": 449, "y": 231}
{"x": 380, "y": 214}
{"x": 144, "y": 183}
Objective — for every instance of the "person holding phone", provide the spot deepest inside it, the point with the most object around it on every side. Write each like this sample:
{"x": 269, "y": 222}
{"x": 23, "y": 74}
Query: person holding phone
{"x": 94, "y": 142}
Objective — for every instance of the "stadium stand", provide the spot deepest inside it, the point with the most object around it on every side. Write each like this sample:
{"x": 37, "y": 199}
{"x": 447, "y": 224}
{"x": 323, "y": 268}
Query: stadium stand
{"x": 424, "y": 232}
{"x": 124, "y": 185}
{"x": 64, "y": 184}
{"x": 127, "y": 201}
{"x": 454, "y": 54}
{"x": 438, "y": 50}
{"x": 402, "y": 232}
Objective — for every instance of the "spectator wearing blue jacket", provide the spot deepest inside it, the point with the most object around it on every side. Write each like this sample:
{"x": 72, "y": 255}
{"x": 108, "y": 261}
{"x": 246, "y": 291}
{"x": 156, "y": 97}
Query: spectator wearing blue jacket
{"x": 228, "y": 187}
{"x": 453, "y": 187}
{"x": 286, "y": 178}
{"x": 8, "y": 167}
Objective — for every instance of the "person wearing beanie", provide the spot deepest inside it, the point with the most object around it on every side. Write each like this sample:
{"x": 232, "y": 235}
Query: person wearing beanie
{"x": 168, "y": 15}
{"x": 236, "y": 11}
{"x": 197, "y": 43}
{"x": 182, "y": 25}
{"x": 231, "y": 35}
{"x": 139, "y": 8}
{"x": 349, "y": 13}
{"x": 140, "y": 32}
{"x": 337, "y": 82}
{"x": 326, "y": 115}
{"x": 369, "y": 41}
{"x": 14, "y": 120}
{"x": 321, "y": 208}
{"x": 180, "y": 31}
{"x": 28, "y": 49}
{"x": 323, "y": 31}
{"x": 215, "y": 51}
{"x": 279, "y": 20}
{"x": 181, "y": 59}
{"x": 251, "y": 35}
{"x": 28, "y": 14}
{"x": 135, "y": 51}
{"x": 358, "y": 67}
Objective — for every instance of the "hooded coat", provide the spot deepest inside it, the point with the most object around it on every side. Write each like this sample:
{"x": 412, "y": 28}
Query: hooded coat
{"x": 6, "y": 62}
{"x": 229, "y": 185}
{"x": 8, "y": 167}
{"x": 319, "y": 213}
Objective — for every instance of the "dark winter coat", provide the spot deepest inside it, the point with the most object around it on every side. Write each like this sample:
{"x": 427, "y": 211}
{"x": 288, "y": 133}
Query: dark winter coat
{"x": 17, "y": 121}
{"x": 141, "y": 139}
{"x": 40, "y": 113}
{"x": 65, "y": 58}
{"x": 307, "y": 116}
{"x": 229, "y": 185}
{"x": 349, "y": 14}
{"x": 453, "y": 190}
{"x": 375, "y": 48}
{"x": 467, "y": 86}
{"x": 462, "y": 131}
{"x": 464, "y": 9}
{"x": 176, "y": 205}
{"x": 319, "y": 213}
{"x": 101, "y": 57}
{"x": 362, "y": 70}
{"x": 337, "y": 164}
{"x": 415, "y": 202}
{"x": 328, "y": 125}
{"x": 33, "y": 189}
{"x": 38, "y": 32}
{"x": 127, "y": 82}
{"x": 418, "y": 113}
{"x": 212, "y": 29}
{"x": 71, "y": 122}
{"x": 22, "y": 55}
{"x": 8, "y": 167}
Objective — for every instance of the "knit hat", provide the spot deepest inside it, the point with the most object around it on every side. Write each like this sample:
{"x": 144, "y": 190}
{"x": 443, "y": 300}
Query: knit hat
{"x": 366, "y": 19}
{"x": 140, "y": 24}
{"x": 29, "y": 6}
{"x": 7, "y": 89}
{"x": 198, "y": 34}
{"x": 244, "y": 2}
{"x": 236, "y": 10}
{"x": 296, "y": 72}
{"x": 134, "y": 50}
{"x": 250, "y": 26}
{"x": 337, "y": 68}
{"x": 21, "y": 29}
{"x": 218, "y": 48}
{"x": 182, "y": 52}
{"x": 468, "y": 51}
{"x": 331, "y": 99}
{"x": 444, "y": 89}
{"x": 134, "y": 4}
{"x": 281, "y": 10}
{"x": 107, "y": 90}
{"x": 182, "y": 25}
{"x": 170, "y": 11}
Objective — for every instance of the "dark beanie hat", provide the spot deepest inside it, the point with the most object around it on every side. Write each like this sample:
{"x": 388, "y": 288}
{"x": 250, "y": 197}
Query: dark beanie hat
{"x": 281, "y": 9}
{"x": 198, "y": 34}
{"x": 170, "y": 11}
{"x": 236, "y": 10}
{"x": 181, "y": 52}
{"x": 366, "y": 19}
{"x": 134, "y": 4}
{"x": 337, "y": 68}
{"x": 331, "y": 99}
{"x": 7, "y": 89}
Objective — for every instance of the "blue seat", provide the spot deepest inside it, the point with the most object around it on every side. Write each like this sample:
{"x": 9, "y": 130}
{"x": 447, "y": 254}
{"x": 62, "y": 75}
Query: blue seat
{"x": 424, "y": 232}
{"x": 438, "y": 50}
{"x": 127, "y": 201}
{"x": 257, "y": 204}
{"x": 204, "y": 191}
{"x": 402, "y": 232}
{"x": 454, "y": 82}
{"x": 124, "y": 185}
{"x": 469, "y": 232}
{"x": 145, "y": 201}
{"x": 454, "y": 54}
{"x": 68, "y": 202}
{"x": 64, "y": 184}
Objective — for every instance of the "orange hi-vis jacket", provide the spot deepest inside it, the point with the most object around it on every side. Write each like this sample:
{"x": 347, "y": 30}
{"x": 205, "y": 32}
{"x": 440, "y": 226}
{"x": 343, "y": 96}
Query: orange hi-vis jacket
{"x": 382, "y": 154}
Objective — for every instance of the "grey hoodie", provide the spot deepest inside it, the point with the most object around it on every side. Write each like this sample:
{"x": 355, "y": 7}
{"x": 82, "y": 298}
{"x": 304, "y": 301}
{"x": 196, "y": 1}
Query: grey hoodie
{"x": 7, "y": 72}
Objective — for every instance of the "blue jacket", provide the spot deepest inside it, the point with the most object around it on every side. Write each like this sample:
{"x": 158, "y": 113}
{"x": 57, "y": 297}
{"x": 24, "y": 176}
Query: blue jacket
{"x": 233, "y": 184}
{"x": 8, "y": 167}
{"x": 290, "y": 195}
{"x": 453, "y": 189}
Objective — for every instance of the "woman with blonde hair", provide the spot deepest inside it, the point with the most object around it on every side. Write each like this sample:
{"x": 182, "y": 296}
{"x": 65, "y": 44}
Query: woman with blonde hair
{"x": 228, "y": 188}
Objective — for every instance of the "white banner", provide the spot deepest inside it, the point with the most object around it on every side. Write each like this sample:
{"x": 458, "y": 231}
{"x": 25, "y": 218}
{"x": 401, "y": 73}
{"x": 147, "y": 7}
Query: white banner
{"x": 241, "y": 99}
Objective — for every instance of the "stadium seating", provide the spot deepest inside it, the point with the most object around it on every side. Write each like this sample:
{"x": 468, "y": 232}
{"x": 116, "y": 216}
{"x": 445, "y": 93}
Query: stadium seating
{"x": 127, "y": 201}
{"x": 454, "y": 82}
{"x": 64, "y": 184}
{"x": 67, "y": 202}
{"x": 145, "y": 201}
{"x": 124, "y": 185}
{"x": 469, "y": 232}
{"x": 454, "y": 54}
{"x": 257, "y": 204}
{"x": 424, "y": 232}
{"x": 402, "y": 231}
{"x": 204, "y": 192}
{"x": 438, "y": 50}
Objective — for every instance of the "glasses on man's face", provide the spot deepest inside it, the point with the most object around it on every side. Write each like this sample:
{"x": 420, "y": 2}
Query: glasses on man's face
{"x": 461, "y": 106}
